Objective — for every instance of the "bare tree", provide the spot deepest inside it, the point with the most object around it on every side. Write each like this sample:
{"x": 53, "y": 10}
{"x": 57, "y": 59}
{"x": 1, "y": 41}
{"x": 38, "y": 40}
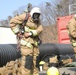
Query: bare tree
{"x": 4, "y": 23}
{"x": 53, "y": 9}
{"x": 15, "y": 13}
{"x": 29, "y": 7}
{"x": 9, "y": 18}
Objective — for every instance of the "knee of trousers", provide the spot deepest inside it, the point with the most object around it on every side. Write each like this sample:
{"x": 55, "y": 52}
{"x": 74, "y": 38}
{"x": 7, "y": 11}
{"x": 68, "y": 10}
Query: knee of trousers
{"x": 28, "y": 62}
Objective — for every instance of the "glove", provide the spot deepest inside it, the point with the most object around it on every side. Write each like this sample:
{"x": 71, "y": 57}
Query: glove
{"x": 19, "y": 35}
{"x": 27, "y": 34}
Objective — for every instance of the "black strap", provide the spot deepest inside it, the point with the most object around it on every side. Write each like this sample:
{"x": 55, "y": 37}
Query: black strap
{"x": 26, "y": 19}
{"x": 22, "y": 29}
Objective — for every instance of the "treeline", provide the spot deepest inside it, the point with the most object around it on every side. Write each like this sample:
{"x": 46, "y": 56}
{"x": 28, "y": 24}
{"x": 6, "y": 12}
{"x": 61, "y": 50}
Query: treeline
{"x": 51, "y": 10}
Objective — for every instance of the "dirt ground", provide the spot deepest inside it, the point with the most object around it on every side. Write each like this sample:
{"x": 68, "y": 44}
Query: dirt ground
{"x": 67, "y": 70}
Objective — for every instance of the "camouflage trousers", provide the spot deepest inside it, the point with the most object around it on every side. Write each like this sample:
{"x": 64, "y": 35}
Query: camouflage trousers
{"x": 29, "y": 60}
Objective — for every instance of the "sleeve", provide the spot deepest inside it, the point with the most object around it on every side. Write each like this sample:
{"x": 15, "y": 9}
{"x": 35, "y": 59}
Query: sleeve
{"x": 16, "y": 21}
{"x": 37, "y": 31}
{"x": 72, "y": 28}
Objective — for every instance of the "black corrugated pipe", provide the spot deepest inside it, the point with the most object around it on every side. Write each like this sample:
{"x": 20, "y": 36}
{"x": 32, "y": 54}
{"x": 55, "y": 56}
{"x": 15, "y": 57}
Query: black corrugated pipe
{"x": 55, "y": 49}
{"x": 7, "y": 53}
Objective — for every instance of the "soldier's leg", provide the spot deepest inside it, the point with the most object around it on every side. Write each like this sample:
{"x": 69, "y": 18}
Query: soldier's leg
{"x": 35, "y": 61}
{"x": 26, "y": 65}
{"x": 19, "y": 70}
{"x": 26, "y": 61}
{"x": 9, "y": 72}
{"x": 14, "y": 72}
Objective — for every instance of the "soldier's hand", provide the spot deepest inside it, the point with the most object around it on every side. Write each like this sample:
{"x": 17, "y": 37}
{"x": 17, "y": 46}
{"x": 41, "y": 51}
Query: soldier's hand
{"x": 19, "y": 35}
{"x": 27, "y": 34}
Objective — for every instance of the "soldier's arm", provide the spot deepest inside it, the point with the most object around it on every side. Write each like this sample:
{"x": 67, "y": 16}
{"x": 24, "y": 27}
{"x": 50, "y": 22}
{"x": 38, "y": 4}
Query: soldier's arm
{"x": 72, "y": 29}
{"x": 16, "y": 21}
{"x": 37, "y": 31}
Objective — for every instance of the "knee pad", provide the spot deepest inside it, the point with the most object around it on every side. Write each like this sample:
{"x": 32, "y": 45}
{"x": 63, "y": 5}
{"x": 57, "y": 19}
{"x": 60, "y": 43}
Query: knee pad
{"x": 29, "y": 62}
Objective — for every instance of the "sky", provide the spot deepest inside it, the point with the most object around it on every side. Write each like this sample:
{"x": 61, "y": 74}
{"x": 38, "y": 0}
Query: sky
{"x": 8, "y": 6}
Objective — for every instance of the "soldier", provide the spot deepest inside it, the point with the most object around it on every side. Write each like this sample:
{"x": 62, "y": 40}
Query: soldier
{"x": 71, "y": 27}
{"x": 28, "y": 31}
{"x": 10, "y": 68}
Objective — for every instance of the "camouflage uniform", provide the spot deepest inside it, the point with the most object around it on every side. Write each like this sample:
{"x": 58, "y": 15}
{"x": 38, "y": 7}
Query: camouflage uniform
{"x": 29, "y": 45}
{"x": 2, "y": 70}
{"x": 10, "y": 68}
{"x": 71, "y": 27}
